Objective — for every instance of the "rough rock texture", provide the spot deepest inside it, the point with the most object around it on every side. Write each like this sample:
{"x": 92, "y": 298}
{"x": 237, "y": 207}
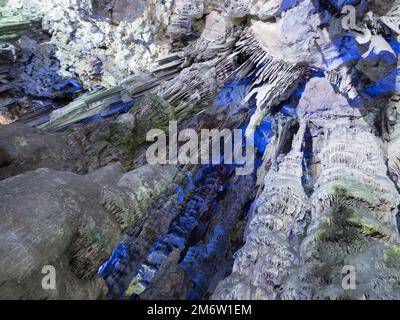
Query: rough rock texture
{"x": 315, "y": 82}
{"x": 48, "y": 228}
{"x": 24, "y": 148}
{"x": 99, "y": 47}
{"x": 273, "y": 234}
{"x": 28, "y": 70}
{"x": 81, "y": 149}
{"x": 71, "y": 222}
{"x": 197, "y": 194}
{"x": 344, "y": 186}
{"x": 353, "y": 214}
{"x": 354, "y": 206}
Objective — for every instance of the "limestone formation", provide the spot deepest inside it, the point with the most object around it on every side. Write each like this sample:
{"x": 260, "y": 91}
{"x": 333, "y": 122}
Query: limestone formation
{"x": 273, "y": 234}
{"x": 26, "y": 149}
{"x": 354, "y": 195}
{"x": 352, "y": 214}
{"x": 314, "y": 82}
{"x": 70, "y": 222}
{"x": 99, "y": 48}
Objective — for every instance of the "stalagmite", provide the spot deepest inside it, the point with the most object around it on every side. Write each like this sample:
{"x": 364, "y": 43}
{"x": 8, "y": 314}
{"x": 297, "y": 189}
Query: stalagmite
{"x": 352, "y": 219}
{"x": 273, "y": 234}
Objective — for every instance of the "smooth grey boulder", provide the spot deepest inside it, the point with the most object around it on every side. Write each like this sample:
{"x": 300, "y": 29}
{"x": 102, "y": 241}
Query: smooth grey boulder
{"x": 23, "y": 148}
{"x": 52, "y": 218}
{"x": 70, "y": 222}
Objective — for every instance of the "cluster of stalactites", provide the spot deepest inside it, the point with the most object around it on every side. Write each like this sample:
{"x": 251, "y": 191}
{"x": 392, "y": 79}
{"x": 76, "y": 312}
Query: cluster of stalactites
{"x": 272, "y": 80}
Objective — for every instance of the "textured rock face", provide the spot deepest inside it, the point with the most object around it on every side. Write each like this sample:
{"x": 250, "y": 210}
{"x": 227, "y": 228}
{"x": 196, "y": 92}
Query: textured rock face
{"x": 101, "y": 41}
{"x": 348, "y": 218}
{"x": 70, "y": 222}
{"x": 352, "y": 214}
{"x": 44, "y": 229}
{"x": 273, "y": 234}
{"x": 317, "y": 87}
{"x": 24, "y": 148}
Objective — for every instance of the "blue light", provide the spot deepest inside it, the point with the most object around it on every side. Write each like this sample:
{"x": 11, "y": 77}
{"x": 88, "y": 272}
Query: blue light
{"x": 67, "y": 86}
{"x": 181, "y": 194}
{"x": 119, "y": 107}
{"x": 341, "y": 3}
{"x": 395, "y": 45}
{"x": 386, "y": 85}
{"x": 288, "y": 4}
{"x": 109, "y": 266}
{"x": 348, "y": 50}
{"x": 288, "y": 110}
{"x": 262, "y": 134}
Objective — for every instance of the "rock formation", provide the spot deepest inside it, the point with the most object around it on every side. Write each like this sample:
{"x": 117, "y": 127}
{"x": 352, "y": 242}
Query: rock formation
{"x": 313, "y": 83}
{"x": 352, "y": 213}
{"x": 71, "y": 222}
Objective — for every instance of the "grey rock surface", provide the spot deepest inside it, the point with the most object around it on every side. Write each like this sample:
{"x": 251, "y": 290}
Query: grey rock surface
{"x": 65, "y": 220}
{"x": 327, "y": 192}
{"x": 26, "y": 149}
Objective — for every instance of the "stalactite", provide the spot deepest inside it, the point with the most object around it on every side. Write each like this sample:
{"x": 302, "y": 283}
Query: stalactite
{"x": 86, "y": 81}
{"x": 352, "y": 194}
{"x": 274, "y": 80}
